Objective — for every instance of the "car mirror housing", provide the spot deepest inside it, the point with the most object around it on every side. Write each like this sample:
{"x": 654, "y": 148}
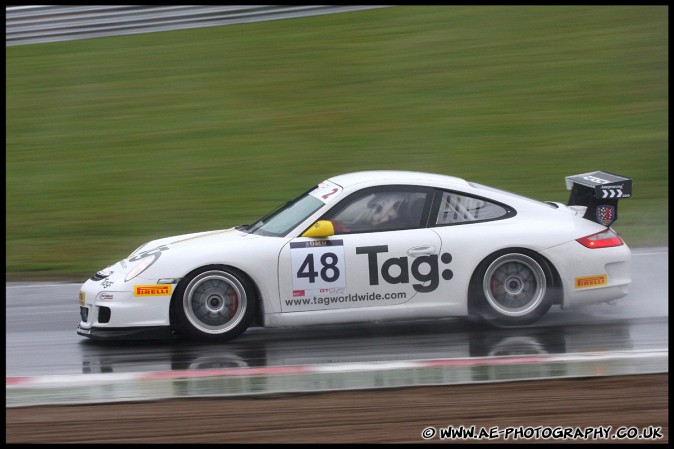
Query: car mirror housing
{"x": 320, "y": 229}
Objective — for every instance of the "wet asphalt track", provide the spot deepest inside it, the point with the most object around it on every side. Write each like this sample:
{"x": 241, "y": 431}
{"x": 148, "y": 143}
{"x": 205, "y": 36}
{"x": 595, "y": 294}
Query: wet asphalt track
{"x": 41, "y": 319}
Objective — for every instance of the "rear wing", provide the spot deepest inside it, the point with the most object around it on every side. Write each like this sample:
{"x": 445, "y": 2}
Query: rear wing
{"x": 599, "y": 192}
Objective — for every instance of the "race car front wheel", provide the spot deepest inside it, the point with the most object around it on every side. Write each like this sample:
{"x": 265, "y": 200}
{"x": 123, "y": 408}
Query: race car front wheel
{"x": 213, "y": 303}
{"x": 512, "y": 289}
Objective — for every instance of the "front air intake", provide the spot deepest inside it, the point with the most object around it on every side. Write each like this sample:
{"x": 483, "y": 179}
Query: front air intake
{"x": 84, "y": 313}
{"x": 103, "y": 314}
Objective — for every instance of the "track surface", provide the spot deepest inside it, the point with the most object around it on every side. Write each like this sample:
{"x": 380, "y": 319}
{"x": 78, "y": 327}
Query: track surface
{"x": 41, "y": 340}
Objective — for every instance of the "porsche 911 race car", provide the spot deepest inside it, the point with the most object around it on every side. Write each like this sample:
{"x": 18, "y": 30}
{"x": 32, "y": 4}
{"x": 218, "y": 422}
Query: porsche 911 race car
{"x": 372, "y": 246}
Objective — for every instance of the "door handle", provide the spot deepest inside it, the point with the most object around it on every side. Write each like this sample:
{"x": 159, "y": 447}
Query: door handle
{"x": 421, "y": 251}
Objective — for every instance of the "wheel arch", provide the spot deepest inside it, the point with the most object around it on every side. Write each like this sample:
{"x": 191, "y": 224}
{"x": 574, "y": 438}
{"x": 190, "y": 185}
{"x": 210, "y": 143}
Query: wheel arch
{"x": 556, "y": 290}
{"x": 258, "y": 318}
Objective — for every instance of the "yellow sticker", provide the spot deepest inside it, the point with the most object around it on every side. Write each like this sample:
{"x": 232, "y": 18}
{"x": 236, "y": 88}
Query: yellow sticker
{"x": 82, "y": 296}
{"x": 152, "y": 290}
{"x": 591, "y": 281}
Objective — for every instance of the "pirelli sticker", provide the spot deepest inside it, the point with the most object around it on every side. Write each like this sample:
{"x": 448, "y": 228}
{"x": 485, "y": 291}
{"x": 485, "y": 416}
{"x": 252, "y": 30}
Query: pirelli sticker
{"x": 591, "y": 281}
{"x": 152, "y": 290}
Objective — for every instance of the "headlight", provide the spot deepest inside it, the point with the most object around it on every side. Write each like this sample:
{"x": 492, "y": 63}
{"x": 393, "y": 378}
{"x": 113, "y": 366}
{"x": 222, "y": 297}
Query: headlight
{"x": 140, "y": 267}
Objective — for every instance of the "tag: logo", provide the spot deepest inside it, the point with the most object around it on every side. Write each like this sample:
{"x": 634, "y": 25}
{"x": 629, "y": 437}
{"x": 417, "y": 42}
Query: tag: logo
{"x": 423, "y": 269}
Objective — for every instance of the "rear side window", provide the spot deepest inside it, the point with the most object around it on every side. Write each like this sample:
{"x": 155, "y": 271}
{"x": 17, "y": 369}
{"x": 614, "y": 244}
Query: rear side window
{"x": 456, "y": 208}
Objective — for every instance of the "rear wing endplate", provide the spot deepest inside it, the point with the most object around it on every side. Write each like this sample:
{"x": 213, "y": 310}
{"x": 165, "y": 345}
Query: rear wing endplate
{"x": 599, "y": 191}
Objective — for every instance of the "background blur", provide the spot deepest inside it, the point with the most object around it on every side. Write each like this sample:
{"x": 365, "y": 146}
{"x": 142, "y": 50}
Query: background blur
{"x": 115, "y": 141}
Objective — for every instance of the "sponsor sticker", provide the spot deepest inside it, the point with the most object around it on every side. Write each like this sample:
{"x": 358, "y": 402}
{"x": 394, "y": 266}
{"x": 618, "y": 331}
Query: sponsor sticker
{"x": 152, "y": 290}
{"x": 82, "y": 297}
{"x": 424, "y": 269}
{"x": 605, "y": 215}
{"x": 326, "y": 191}
{"x": 596, "y": 180}
{"x": 156, "y": 252}
{"x": 591, "y": 281}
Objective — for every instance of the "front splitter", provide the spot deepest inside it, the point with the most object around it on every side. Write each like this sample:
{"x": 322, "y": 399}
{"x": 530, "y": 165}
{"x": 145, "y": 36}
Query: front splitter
{"x": 126, "y": 333}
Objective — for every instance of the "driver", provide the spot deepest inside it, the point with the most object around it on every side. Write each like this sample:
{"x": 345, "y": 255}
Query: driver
{"x": 385, "y": 208}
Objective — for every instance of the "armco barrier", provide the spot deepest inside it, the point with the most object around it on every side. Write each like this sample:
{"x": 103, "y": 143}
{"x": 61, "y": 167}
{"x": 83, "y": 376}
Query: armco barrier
{"x": 37, "y": 24}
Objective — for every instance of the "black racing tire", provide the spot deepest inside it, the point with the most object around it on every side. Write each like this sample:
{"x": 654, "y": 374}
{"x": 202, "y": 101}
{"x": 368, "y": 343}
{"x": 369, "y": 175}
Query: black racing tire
{"x": 512, "y": 288}
{"x": 213, "y": 304}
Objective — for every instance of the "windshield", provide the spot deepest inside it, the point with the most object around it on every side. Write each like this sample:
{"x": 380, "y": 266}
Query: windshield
{"x": 283, "y": 219}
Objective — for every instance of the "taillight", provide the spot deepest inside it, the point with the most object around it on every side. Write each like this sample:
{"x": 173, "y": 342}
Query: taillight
{"x": 603, "y": 239}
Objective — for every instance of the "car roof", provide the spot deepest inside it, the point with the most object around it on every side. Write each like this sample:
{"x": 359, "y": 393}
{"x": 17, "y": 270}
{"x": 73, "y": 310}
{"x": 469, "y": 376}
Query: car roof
{"x": 375, "y": 177}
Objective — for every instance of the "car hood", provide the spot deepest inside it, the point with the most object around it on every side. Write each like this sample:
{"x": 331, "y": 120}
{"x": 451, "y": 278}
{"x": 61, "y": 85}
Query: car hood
{"x": 200, "y": 239}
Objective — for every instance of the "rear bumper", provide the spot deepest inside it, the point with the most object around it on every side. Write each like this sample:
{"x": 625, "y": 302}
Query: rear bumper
{"x": 591, "y": 276}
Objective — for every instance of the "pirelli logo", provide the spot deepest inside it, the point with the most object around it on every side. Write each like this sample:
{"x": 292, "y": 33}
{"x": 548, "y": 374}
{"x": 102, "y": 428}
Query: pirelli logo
{"x": 152, "y": 290}
{"x": 591, "y": 281}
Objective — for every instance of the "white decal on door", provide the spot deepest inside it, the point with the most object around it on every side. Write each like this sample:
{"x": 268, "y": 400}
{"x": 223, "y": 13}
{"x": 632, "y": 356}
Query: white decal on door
{"x": 318, "y": 267}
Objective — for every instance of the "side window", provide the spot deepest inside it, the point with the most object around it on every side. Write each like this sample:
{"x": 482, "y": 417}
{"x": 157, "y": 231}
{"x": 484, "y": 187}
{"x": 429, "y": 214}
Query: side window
{"x": 456, "y": 208}
{"x": 375, "y": 210}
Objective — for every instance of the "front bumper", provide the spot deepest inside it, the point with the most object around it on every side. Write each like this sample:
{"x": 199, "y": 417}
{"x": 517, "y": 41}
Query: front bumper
{"x": 113, "y": 309}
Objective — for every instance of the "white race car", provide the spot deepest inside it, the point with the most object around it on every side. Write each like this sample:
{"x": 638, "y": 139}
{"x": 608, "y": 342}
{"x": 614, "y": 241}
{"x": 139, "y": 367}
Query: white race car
{"x": 372, "y": 246}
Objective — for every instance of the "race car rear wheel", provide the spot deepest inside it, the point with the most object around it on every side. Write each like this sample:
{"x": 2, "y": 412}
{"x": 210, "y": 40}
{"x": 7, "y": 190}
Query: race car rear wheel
{"x": 213, "y": 304}
{"x": 512, "y": 289}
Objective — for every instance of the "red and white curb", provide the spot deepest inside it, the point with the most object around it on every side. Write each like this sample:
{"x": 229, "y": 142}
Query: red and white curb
{"x": 342, "y": 376}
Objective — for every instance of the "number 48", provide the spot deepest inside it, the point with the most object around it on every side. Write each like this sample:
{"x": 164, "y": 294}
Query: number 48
{"x": 329, "y": 271}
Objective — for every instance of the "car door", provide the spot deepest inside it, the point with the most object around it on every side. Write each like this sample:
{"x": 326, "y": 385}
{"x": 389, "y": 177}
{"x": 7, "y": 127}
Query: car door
{"x": 381, "y": 255}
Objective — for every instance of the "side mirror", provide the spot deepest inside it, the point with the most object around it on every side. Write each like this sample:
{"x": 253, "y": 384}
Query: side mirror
{"x": 322, "y": 228}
